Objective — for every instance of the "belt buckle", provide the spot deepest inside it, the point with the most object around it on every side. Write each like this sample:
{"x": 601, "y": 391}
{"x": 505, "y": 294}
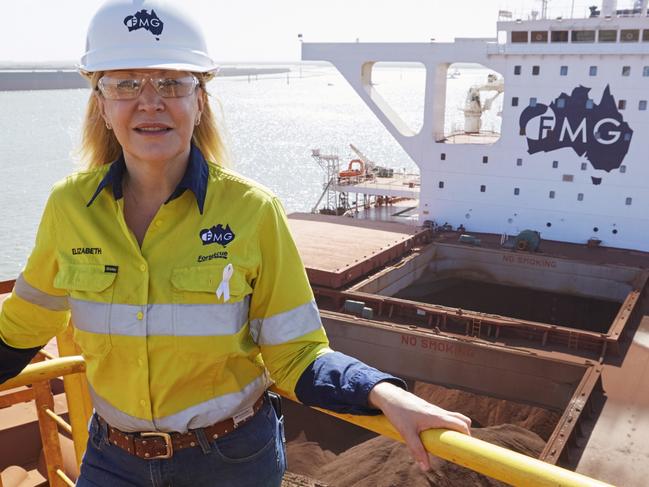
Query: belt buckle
{"x": 168, "y": 444}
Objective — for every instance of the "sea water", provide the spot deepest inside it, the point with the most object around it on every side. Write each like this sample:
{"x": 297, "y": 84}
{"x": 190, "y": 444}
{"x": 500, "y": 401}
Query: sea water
{"x": 272, "y": 123}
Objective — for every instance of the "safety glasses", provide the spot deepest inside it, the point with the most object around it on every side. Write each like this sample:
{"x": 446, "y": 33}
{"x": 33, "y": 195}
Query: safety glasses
{"x": 115, "y": 88}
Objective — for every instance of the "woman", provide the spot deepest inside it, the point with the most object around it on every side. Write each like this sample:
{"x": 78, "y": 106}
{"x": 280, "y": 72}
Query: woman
{"x": 185, "y": 288}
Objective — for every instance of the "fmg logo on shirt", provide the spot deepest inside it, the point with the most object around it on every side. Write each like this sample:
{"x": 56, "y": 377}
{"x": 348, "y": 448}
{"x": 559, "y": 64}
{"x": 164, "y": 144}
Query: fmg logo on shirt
{"x": 145, "y": 20}
{"x": 217, "y": 234}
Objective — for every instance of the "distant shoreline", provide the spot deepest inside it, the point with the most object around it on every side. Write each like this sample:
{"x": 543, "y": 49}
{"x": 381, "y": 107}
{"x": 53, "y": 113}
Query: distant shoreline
{"x": 27, "y": 79}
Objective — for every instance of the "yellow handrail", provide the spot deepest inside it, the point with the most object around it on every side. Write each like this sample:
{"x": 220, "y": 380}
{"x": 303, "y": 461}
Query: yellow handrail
{"x": 47, "y": 370}
{"x": 77, "y": 395}
{"x": 483, "y": 457}
{"x": 494, "y": 461}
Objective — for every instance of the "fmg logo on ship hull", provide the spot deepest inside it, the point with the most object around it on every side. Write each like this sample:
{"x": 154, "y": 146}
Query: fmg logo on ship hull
{"x": 595, "y": 131}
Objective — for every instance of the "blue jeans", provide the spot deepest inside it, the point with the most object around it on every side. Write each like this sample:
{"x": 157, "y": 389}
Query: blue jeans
{"x": 252, "y": 455}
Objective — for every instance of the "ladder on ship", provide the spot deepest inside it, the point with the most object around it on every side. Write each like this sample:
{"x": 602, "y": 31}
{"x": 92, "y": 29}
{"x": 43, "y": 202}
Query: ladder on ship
{"x": 330, "y": 164}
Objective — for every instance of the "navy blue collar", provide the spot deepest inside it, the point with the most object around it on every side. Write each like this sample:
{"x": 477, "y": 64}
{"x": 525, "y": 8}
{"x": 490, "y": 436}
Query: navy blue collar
{"x": 194, "y": 179}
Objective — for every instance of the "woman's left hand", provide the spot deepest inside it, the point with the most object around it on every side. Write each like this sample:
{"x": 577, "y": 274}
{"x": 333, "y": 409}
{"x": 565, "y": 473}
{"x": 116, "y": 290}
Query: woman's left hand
{"x": 410, "y": 415}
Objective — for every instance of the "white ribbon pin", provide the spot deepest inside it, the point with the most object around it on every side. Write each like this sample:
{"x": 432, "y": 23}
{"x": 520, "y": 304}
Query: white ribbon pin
{"x": 224, "y": 287}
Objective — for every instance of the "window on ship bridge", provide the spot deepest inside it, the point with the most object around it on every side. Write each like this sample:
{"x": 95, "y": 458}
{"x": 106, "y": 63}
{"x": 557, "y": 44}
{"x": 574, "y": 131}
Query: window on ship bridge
{"x": 517, "y": 69}
{"x": 559, "y": 36}
{"x": 539, "y": 36}
{"x": 583, "y": 36}
{"x": 563, "y": 71}
{"x": 626, "y": 70}
{"x": 536, "y": 70}
{"x": 519, "y": 162}
{"x": 483, "y": 188}
{"x": 442, "y": 156}
{"x": 520, "y": 36}
{"x": 517, "y": 191}
{"x": 645, "y": 71}
{"x": 628, "y": 201}
{"x": 645, "y": 35}
{"x": 642, "y": 105}
{"x": 580, "y": 197}
{"x": 592, "y": 71}
{"x": 555, "y": 164}
{"x": 629, "y": 35}
{"x": 551, "y": 195}
{"x": 441, "y": 185}
{"x": 607, "y": 36}
{"x": 485, "y": 159}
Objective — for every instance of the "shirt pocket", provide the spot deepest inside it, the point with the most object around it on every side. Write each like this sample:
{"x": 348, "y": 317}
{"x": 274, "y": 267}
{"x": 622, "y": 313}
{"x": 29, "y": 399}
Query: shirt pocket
{"x": 200, "y": 318}
{"x": 90, "y": 289}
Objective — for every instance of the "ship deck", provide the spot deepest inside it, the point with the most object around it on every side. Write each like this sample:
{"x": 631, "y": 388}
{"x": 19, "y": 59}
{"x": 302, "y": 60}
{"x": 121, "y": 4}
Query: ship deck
{"x": 320, "y": 239}
{"x": 616, "y": 446}
{"x": 337, "y": 250}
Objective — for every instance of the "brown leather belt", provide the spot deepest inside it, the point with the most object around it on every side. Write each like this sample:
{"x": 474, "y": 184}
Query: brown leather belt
{"x": 151, "y": 445}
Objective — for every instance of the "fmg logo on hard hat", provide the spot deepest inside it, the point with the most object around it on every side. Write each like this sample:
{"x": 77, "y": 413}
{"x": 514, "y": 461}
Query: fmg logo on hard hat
{"x": 145, "y": 20}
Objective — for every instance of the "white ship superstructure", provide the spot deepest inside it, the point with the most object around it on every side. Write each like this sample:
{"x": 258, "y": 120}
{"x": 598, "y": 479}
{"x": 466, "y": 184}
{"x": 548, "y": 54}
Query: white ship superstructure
{"x": 570, "y": 160}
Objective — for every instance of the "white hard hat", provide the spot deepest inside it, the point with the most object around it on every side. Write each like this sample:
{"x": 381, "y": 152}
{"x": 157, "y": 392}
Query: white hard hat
{"x": 131, "y": 34}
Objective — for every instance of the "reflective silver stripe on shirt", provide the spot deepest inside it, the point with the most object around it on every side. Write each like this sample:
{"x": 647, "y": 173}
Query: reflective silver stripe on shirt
{"x": 197, "y": 416}
{"x": 286, "y": 326}
{"x": 29, "y": 293}
{"x": 117, "y": 418}
{"x": 216, "y": 409}
{"x": 160, "y": 319}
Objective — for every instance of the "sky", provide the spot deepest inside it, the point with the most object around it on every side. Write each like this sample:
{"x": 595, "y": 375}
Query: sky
{"x": 249, "y": 31}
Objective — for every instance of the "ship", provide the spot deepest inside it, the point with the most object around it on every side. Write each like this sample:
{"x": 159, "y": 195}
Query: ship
{"x": 521, "y": 271}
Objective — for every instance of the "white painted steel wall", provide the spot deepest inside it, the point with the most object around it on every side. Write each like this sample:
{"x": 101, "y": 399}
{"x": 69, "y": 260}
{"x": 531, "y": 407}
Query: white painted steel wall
{"x": 498, "y": 209}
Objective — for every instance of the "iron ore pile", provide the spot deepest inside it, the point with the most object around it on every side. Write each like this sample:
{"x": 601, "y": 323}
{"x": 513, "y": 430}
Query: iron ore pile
{"x": 335, "y": 461}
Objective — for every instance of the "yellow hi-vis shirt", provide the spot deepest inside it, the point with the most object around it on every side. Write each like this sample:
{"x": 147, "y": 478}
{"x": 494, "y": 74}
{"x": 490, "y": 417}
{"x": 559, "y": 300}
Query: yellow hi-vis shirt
{"x": 190, "y": 328}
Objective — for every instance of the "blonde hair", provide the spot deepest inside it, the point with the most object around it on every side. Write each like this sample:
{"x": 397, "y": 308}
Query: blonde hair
{"x": 99, "y": 145}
